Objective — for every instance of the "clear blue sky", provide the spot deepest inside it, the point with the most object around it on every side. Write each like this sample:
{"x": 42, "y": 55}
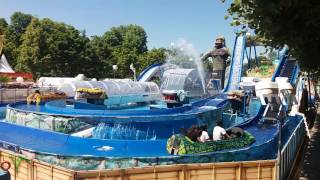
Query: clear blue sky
{"x": 164, "y": 21}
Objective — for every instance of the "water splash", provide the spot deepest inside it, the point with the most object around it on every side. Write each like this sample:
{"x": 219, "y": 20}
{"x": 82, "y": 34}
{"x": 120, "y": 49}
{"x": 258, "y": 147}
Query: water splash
{"x": 121, "y": 131}
{"x": 183, "y": 54}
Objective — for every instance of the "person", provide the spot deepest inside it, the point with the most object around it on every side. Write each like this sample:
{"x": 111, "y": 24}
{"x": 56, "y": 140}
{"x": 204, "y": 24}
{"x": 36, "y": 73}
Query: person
{"x": 235, "y": 132}
{"x": 193, "y": 133}
{"x": 219, "y": 132}
{"x": 34, "y": 98}
{"x": 220, "y": 56}
{"x": 183, "y": 131}
{"x": 235, "y": 98}
{"x": 204, "y": 136}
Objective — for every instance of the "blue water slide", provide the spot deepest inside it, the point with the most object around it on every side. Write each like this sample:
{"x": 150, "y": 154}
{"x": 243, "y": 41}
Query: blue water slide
{"x": 147, "y": 73}
{"x": 287, "y": 67}
{"x": 282, "y": 59}
{"x": 236, "y": 64}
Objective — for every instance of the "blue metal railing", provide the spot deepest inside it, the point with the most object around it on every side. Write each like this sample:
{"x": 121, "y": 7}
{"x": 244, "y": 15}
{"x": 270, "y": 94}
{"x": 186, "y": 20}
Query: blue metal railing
{"x": 295, "y": 75}
{"x": 290, "y": 150}
{"x": 279, "y": 67}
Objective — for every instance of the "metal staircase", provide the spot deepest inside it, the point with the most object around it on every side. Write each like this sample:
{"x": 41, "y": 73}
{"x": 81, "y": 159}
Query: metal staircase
{"x": 287, "y": 69}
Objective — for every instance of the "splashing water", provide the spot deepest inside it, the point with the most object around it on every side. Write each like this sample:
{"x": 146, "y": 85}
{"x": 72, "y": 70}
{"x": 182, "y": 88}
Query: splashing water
{"x": 185, "y": 51}
{"x": 121, "y": 131}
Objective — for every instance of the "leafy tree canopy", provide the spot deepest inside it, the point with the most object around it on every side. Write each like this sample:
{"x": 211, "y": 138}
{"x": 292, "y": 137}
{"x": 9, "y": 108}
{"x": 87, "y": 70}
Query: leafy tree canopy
{"x": 291, "y": 22}
{"x": 48, "y": 48}
{"x": 3, "y": 25}
{"x": 13, "y": 33}
{"x": 51, "y": 49}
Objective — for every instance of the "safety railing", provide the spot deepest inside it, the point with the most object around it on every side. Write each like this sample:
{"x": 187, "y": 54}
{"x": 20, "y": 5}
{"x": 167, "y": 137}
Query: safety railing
{"x": 290, "y": 150}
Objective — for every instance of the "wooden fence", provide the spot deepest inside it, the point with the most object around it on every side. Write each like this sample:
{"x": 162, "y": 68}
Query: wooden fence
{"x": 28, "y": 169}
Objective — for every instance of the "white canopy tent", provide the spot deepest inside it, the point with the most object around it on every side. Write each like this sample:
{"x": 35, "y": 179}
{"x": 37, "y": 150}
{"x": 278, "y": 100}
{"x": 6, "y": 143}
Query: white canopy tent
{"x": 5, "y": 66}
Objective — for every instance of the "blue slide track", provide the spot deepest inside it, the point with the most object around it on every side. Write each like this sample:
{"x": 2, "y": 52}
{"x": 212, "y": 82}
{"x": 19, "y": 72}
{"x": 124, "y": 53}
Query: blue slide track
{"x": 282, "y": 60}
{"x": 287, "y": 67}
{"x": 236, "y": 64}
{"x": 148, "y": 72}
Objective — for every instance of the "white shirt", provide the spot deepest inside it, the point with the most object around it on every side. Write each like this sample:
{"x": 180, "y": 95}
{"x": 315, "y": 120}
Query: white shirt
{"x": 218, "y": 133}
{"x": 204, "y": 136}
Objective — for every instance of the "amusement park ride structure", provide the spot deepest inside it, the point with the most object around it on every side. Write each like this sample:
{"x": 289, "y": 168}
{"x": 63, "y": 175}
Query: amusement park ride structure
{"x": 157, "y": 165}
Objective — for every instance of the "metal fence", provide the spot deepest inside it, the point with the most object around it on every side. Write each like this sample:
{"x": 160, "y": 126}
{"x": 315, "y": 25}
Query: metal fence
{"x": 16, "y": 95}
{"x": 290, "y": 150}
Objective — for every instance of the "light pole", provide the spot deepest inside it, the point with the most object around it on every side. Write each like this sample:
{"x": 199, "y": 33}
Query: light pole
{"x": 115, "y": 68}
{"x": 134, "y": 72}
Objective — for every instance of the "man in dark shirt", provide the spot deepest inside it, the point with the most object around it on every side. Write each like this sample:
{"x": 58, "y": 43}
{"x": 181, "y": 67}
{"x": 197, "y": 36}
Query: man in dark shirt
{"x": 235, "y": 132}
{"x": 193, "y": 133}
{"x": 219, "y": 55}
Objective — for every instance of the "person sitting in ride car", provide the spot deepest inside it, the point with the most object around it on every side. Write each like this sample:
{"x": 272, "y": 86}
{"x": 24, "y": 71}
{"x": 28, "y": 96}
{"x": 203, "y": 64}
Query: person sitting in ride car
{"x": 204, "y": 136}
{"x": 219, "y": 132}
{"x": 235, "y": 132}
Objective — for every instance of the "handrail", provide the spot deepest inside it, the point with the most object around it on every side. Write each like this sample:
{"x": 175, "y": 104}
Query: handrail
{"x": 283, "y": 58}
{"x": 289, "y": 151}
{"x": 295, "y": 74}
{"x": 291, "y": 136}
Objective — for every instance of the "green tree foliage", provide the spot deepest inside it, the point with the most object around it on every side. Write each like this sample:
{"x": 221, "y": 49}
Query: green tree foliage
{"x": 153, "y": 56}
{"x": 3, "y": 25}
{"x": 51, "y": 49}
{"x": 127, "y": 43}
{"x": 13, "y": 33}
{"x": 47, "y": 48}
{"x": 291, "y": 22}
{"x": 97, "y": 58}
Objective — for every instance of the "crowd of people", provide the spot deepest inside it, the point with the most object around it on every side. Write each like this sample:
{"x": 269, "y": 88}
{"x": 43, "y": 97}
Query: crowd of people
{"x": 200, "y": 133}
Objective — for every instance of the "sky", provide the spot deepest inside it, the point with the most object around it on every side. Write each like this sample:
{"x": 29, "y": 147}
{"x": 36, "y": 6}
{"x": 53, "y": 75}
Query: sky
{"x": 165, "y": 21}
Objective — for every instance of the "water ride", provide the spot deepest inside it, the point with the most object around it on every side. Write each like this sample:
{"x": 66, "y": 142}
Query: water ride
{"x": 121, "y": 124}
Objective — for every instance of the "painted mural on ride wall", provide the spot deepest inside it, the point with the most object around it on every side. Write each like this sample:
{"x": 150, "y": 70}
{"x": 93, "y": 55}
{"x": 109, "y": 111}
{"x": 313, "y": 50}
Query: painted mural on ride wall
{"x": 264, "y": 148}
{"x": 265, "y": 151}
{"x": 61, "y": 124}
{"x": 261, "y": 151}
{"x": 135, "y": 128}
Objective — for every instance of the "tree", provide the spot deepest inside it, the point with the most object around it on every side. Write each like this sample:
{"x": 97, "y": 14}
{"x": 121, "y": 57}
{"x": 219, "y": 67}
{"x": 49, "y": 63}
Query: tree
{"x": 291, "y": 22}
{"x": 3, "y": 26}
{"x": 98, "y": 58}
{"x": 127, "y": 43}
{"x": 48, "y": 48}
{"x": 13, "y": 33}
{"x": 51, "y": 49}
{"x": 29, "y": 52}
{"x": 151, "y": 57}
